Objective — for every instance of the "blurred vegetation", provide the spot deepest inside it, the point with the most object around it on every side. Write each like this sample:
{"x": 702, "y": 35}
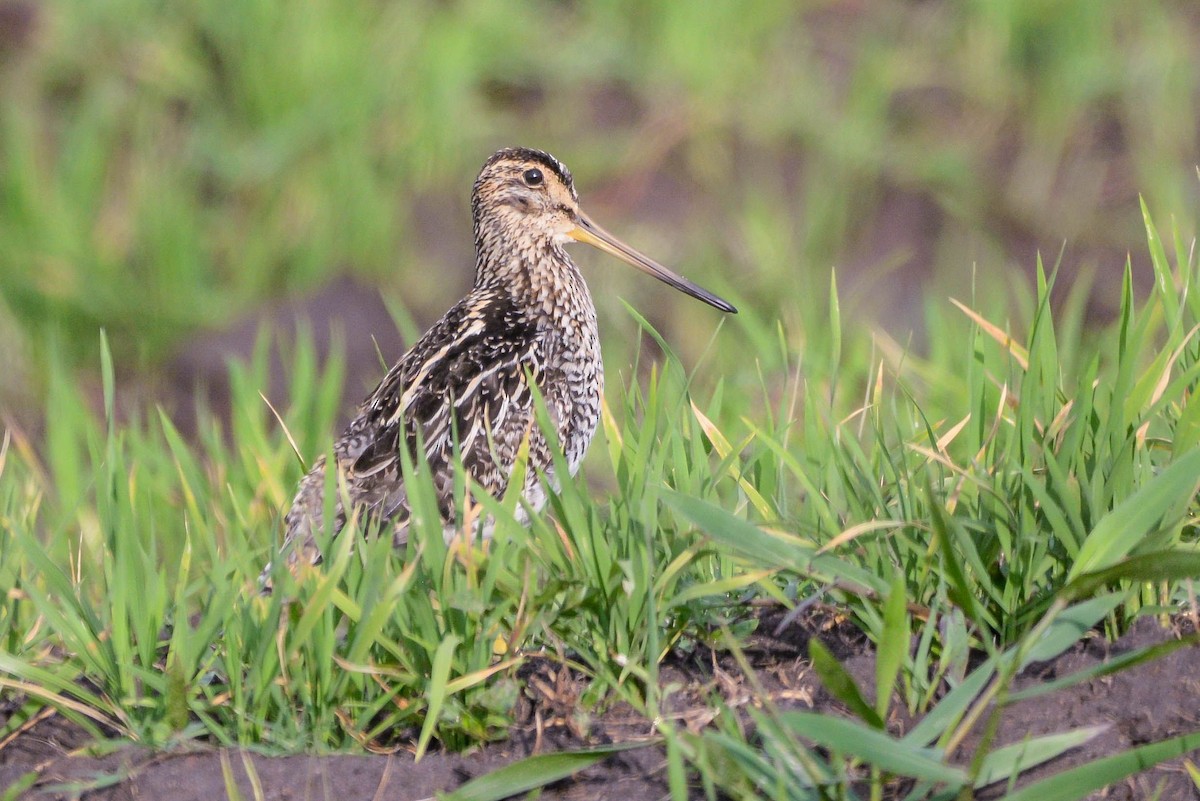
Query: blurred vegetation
{"x": 166, "y": 167}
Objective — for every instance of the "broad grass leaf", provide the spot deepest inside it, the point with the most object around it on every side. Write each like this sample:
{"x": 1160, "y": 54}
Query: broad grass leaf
{"x": 535, "y": 771}
{"x": 1112, "y": 664}
{"x": 892, "y": 648}
{"x": 951, "y": 709}
{"x": 1070, "y": 625}
{"x": 840, "y": 683}
{"x": 875, "y": 747}
{"x": 1009, "y": 760}
{"x": 439, "y": 678}
{"x": 768, "y": 549}
{"x": 1074, "y": 784}
{"x": 1138, "y": 516}
{"x": 1147, "y": 567}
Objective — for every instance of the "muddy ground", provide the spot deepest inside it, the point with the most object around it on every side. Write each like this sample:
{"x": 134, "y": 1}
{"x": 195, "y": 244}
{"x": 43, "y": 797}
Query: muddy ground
{"x": 1150, "y": 702}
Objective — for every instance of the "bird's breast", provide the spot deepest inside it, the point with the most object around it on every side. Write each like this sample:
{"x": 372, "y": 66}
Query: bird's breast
{"x": 572, "y": 378}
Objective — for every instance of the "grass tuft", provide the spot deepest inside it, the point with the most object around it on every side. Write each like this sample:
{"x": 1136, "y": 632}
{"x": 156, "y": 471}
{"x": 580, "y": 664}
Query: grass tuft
{"x": 972, "y": 512}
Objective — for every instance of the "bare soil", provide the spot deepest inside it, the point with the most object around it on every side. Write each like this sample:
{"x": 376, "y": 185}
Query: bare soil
{"x": 1151, "y": 702}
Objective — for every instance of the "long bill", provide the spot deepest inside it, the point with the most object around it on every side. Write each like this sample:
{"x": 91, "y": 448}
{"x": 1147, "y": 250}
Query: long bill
{"x": 588, "y": 232}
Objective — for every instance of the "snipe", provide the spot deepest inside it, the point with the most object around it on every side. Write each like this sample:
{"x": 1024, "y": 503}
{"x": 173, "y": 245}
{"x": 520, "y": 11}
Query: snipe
{"x": 528, "y": 318}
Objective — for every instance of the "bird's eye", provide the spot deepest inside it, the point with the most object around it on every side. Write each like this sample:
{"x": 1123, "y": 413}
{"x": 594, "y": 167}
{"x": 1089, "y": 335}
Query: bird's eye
{"x": 533, "y": 177}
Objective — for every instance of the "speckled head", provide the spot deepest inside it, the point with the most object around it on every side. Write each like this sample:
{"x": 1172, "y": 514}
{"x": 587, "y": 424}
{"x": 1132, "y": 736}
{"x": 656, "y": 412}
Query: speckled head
{"x": 526, "y": 156}
{"x": 523, "y": 194}
{"x": 524, "y": 200}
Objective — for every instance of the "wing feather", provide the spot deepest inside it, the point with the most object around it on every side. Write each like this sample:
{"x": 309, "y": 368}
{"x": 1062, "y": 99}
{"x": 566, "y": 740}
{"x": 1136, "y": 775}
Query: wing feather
{"x": 461, "y": 388}
{"x": 466, "y": 378}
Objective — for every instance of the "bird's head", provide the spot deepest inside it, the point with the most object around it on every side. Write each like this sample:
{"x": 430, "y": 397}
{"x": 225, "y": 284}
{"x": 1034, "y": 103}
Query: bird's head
{"x": 525, "y": 195}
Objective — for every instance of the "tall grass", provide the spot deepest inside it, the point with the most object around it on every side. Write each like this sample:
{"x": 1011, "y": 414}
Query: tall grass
{"x": 1039, "y": 504}
{"x": 1043, "y": 488}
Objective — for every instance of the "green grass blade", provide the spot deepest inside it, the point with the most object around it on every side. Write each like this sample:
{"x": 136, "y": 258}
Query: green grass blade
{"x": 1076, "y": 783}
{"x": 840, "y": 684}
{"x": 535, "y": 771}
{"x": 873, "y": 746}
{"x": 1008, "y": 761}
{"x": 438, "y": 691}
{"x": 1149, "y": 567}
{"x": 772, "y": 549}
{"x": 1158, "y": 501}
{"x": 893, "y": 645}
{"x": 1112, "y": 664}
{"x": 951, "y": 709}
{"x": 1070, "y": 625}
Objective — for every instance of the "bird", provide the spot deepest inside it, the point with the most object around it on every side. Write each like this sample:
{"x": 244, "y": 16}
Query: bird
{"x": 464, "y": 395}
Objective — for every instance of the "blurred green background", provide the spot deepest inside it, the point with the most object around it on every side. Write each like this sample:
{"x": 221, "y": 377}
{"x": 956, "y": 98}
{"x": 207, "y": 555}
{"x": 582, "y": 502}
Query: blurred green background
{"x": 180, "y": 172}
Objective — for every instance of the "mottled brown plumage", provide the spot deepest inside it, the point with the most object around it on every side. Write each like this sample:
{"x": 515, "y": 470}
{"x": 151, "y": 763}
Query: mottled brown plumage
{"x": 529, "y": 317}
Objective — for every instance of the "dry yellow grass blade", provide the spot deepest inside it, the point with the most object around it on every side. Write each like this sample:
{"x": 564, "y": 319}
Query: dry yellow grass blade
{"x": 723, "y": 448}
{"x": 995, "y": 332}
{"x": 856, "y": 531}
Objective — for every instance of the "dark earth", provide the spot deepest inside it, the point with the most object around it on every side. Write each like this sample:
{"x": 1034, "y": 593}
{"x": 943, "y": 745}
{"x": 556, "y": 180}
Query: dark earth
{"x": 1153, "y": 701}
